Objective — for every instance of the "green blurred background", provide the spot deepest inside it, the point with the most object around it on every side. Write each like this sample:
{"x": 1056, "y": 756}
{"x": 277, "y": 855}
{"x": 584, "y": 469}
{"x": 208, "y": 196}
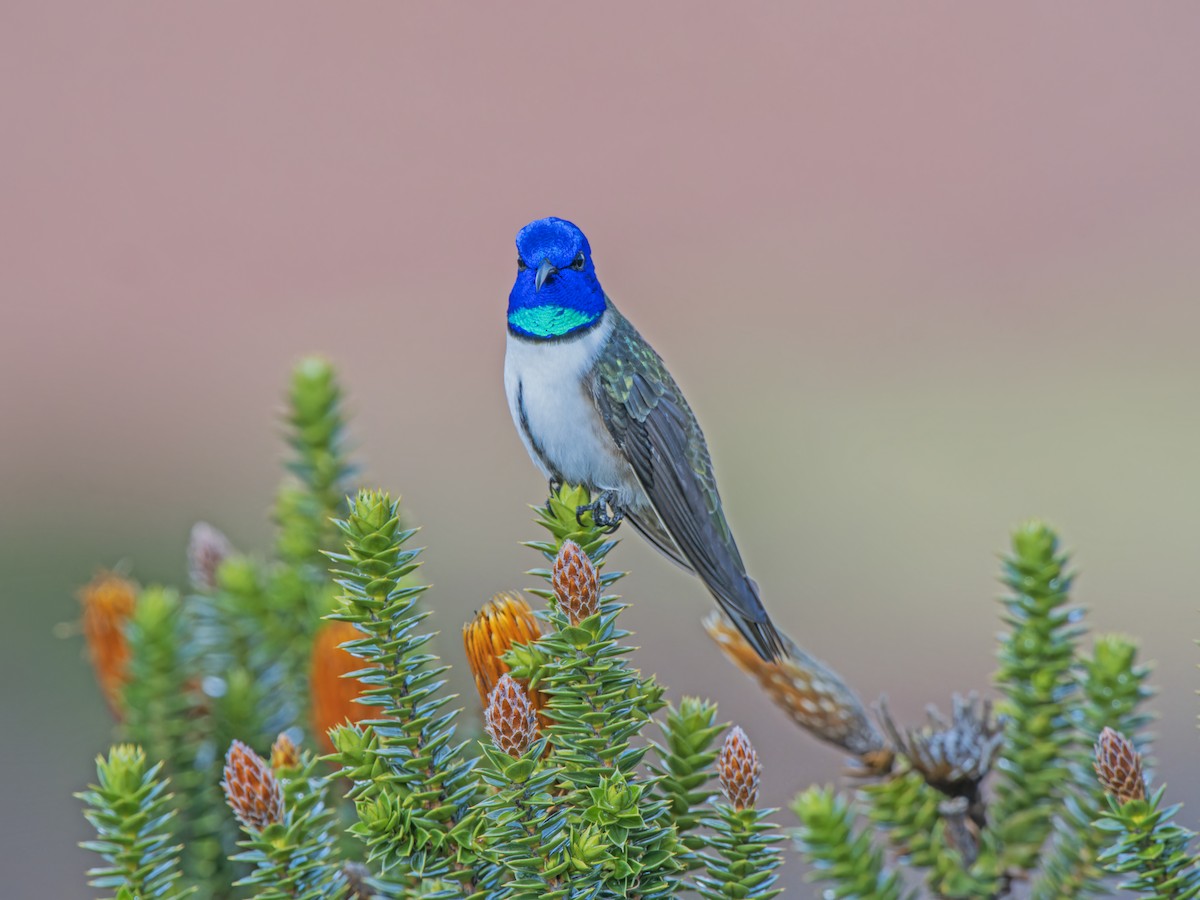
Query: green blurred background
{"x": 922, "y": 270}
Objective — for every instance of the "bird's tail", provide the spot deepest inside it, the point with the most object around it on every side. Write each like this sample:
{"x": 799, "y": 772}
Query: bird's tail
{"x": 750, "y": 617}
{"x": 715, "y": 558}
{"x": 811, "y": 693}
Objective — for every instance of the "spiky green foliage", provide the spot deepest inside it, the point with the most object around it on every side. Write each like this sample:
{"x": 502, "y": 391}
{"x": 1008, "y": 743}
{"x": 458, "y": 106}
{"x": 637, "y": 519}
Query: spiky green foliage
{"x": 1114, "y": 689}
{"x": 1036, "y": 679}
{"x": 962, "y": 854}
{"x": 840, "y": 853}
{"x": 298, "y": 591}
{"x": 239, "y": 635}
{"x": 558, "y": 516}
{"x": 159, "y": 701}
{"x": 413, "y": 788}
{"x": 248, "y": 694}
{"x": 598, "y": 701}
{"x": 524, "y": 836}
{"x": 580, "y": 815}
{"x": 910, "y": 812}
{"x": 257, "y": 627}
{"x": 1142, "y": 844}
{"x": 231, "y": 660}
{"x": 293, "y": 595}
{"x": 907, "y": 809}
{"x": 598, "y": 704}
{"x": 316, "y": 426}
{"x": 585, "y": 812}
{"x": 168, "y": 715}
{"x": 1056, "y": 701}
{"x": 577, "y": 816}
{"x": 297, "y": 858}
{"x": 130, "y": 809}
{"x": 248, "y": 639}
{"x": 685, "y": 766}
{"x": 1148, "y": 850}
{"x": 742, "y": 862}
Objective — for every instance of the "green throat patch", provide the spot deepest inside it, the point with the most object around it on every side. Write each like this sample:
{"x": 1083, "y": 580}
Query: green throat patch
{"x": 549, "y": 321}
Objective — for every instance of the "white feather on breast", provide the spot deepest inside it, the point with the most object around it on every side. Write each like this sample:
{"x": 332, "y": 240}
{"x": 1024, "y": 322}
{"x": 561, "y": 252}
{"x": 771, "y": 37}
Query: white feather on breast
{"x": 566, "y": 436}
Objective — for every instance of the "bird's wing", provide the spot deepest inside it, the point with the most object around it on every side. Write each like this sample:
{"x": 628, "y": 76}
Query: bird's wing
{"x": 647, "y": 416}
{"x": 650, "y": 527}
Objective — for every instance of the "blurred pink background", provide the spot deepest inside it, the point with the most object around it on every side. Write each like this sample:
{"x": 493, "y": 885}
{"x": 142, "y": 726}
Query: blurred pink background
{"x": 923, "y": 271}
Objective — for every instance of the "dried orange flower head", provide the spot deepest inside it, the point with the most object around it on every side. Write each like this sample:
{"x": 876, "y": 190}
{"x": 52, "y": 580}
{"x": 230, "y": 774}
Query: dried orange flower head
{"x": 505, "y": 620}
{"x": 333, "y": 696}
{"x": 251, "y": 788}
{"x": 1119, "y": 766}
{"x": 953, "y": 755}
{"x": 575, "y": 583}
{"x": 738, "y": 769}
{"x": 207, "y": 549}
{"x": 284, "y": 754}
{"x": 509, "y": 718}
{"x": 108, "y": 602}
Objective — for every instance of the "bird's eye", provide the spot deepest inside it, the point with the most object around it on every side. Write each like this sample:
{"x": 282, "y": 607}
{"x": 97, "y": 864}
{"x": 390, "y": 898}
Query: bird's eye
{"x": 578, "y": 262}
{"x": 521, "y": 266}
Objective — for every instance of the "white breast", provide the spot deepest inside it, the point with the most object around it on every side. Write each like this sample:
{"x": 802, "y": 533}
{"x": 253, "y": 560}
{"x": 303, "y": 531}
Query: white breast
{"x": 566, "y": 437}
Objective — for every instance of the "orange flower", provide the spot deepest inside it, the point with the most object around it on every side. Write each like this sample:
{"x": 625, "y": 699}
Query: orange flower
{"x": 738, "y": 769}
{"x": 333, "y": 696}
{"x": 251, "y": 788}
{"x": 284, "y": 754}
{"x": 108, "y": 604}
{"x": 505, "y": 620}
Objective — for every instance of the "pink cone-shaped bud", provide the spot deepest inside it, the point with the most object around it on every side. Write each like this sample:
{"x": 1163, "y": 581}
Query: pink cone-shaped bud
{"x": 207, "y": 549}
{"x": 1119, "y": 766}
{"x": 251, "y": 788}
{"x": 510, "y": 719}
{"x": 575, "y": 583}
{"x": 738, "y": 769}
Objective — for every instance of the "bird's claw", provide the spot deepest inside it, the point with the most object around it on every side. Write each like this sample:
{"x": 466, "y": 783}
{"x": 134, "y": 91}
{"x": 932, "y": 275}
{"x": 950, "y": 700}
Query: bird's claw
{"x": 606, "y": 514}
{"x": 555, "y": 487}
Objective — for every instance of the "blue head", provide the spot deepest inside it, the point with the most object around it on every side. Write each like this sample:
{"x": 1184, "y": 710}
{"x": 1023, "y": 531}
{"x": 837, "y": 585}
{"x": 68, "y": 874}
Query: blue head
{"x": 556, "y": 292}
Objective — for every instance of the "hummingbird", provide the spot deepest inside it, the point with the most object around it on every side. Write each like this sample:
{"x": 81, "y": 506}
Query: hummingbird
{"x": 595, "y": 406}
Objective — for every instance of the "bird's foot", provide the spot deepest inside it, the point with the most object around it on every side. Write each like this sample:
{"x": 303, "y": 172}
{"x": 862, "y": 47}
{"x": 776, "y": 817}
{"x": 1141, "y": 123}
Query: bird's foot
{"x": 605, "y": 512}
{"x": 555, "y": 487}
